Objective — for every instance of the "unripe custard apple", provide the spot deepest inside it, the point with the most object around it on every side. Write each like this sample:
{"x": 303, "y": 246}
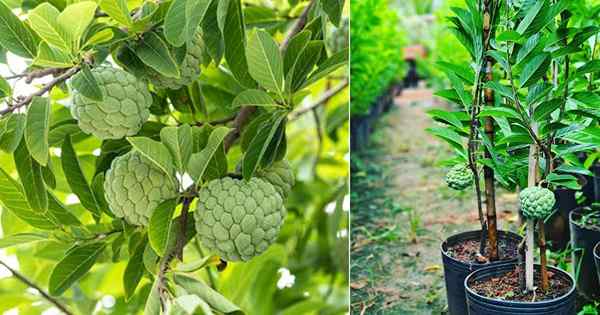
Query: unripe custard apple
{"x": 134, "y": 187}
{"x": 189, "y": 69}
{"x": 123, "y": 110}
{"x": 281, "y": 176}
{"x": 536, "y": 202}
{"x": 459, "y": 177}
{"x": 238, "y": 219}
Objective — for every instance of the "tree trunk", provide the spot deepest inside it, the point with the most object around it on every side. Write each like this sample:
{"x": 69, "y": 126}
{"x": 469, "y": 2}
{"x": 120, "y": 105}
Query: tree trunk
{"x": 543, "y": 259}
{"x": 531, "y": 181}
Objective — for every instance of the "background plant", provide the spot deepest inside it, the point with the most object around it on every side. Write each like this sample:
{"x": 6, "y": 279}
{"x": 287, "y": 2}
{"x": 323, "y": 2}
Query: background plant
{"x": 264, "y": 67}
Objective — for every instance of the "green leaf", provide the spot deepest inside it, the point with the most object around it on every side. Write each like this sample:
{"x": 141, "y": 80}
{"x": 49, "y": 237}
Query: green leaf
{"x": 14, "y": 129}
{"x": 462, "y": 71}
{"x": 100, "y": 37}
{"x": 154, "y": 52}
{"x": 499, "y": 112}
{"x": 200, "y": 161}
{"x": 85, "y": 83}
{"x": 334, "y": 8}
{"x": 211, "y": 33}
{"x": 52, "y": 57}
{"x": 134, "y": 271}
{"x": 231, "y": 23}
{"x": 16, "y": 36}
{"x": 194, "y": 266}
{"x": 179, "y": 142}
{"x": 328, "y": 66}
{"x": 445, "y": 116}
{"x": 59, "y": 211}
{"x": 75, "y": 177}
{"x": 43, "y": 21}
{"x": 77, "y": 262}
{"x": 304, "y": 65}
{"x": 295, "y": 47}
{"x": 206, "y": 293}
{"x": 13, "y": 200}
{"x": 590, "y": 67}
{"x": 500, "y": 89}
{"x": 75, "y": 18}
{"x": 264, "y": 61}
{"x": 534, "y": 70}
{"x": 448, "y": 135}
{"x": 22, "y": 238}
{"x": 5, "y": 89}
{"x": 183, "y": 19}
{"x": 254, "y": 98}
{"x": 260, "y": 143}
{"x": 36, "y": 129}
{"x": 161, "y": 222}
{"x": 30, "y": 174}
{"x": 117, "y": 10}
{"x": 190, "y": 304}
{"x": 153, "y": 306}
{"x": 155, "y": 152}
{"x": 544, "y": 110}
{"x": 531, "y": 15}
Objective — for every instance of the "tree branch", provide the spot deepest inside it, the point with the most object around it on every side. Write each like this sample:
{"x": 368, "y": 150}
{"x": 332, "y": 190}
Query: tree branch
{"x": 324, "y": 98}
{"x": 24, "y": 101}
{"x": 298, "y": 27}
{"x": 43, "y": 293}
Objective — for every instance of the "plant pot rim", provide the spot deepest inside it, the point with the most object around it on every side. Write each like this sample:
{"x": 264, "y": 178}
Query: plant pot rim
{"x": 445, "y": 252}
{"x": 577, "y": 211}
{"x": 596, "y": 251}
{"x": 554, "y": 269}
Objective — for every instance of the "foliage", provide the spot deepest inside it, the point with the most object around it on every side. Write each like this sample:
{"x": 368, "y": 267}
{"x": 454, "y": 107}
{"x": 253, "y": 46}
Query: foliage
{"x": 376, "y": 52}
{"x": 246, "y": 72}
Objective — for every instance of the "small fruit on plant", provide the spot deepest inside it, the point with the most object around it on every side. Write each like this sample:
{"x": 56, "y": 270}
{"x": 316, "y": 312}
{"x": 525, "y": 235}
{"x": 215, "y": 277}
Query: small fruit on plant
{"x": 123, "y": 110}
{"x": 536, "y": 202}
{"x": 134, "y": 187}
{"x": 238, "y": 219}
{"x": 459, "y": 177}
{"x": 280, "y": 175}
{"x": 189, "y": 68}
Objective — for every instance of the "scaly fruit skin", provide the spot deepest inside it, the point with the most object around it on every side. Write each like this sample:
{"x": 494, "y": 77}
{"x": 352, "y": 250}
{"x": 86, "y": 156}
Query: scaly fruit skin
{"x": 122, "y": 112}
{"x": 134, "y": 187}
{"x": 238, "y": 219}
{"x": 536, "y": 202}
{"x": 189, "y": 68}
{"x": 459, "y": 177}
{"x": 280, "y": 175}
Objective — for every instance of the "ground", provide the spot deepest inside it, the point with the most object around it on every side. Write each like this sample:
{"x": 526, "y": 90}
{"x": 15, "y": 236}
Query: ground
{"x": 402, "y": 210}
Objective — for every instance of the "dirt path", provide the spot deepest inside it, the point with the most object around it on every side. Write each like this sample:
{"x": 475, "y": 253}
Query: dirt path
{"x": 402, "y": 209}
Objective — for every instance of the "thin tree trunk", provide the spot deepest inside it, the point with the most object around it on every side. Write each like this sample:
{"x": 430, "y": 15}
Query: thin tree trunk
{"x": 543, "y": 259}
{"x": 531, "y": 181}
{"x": 488, "y": 172}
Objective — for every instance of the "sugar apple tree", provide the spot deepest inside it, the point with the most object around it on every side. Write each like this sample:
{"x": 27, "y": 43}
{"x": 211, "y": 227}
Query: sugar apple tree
{"x": 118, "y": 159}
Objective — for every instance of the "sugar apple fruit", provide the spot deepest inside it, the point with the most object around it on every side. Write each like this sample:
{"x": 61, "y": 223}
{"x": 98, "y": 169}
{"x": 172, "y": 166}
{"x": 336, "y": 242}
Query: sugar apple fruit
{"x": 238, "y": 219}
{"x": 536, "y": 202}
{"x": 123, "y": 110}
{"x": 134, "y": 187}
{"x": 189, "y": 68}
{"x": 459, "y": 177}
{"x": 280, "y": 175}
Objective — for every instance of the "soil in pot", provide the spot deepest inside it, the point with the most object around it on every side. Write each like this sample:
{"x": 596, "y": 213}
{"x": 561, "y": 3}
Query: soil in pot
{"x": 467, "y": 250}
{"x": 506, "y": 287}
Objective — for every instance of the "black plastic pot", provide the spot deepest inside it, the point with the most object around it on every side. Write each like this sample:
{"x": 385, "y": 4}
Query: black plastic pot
{"x": 557, "y": 226}
{"x": 597, "y": 259}
{"x": 359, "y": 130}
{"x": 481, "y": 305}
{"x": 456, "y": 271}
{"x": 583, "y": 241}
{"x": 591, "y": 190}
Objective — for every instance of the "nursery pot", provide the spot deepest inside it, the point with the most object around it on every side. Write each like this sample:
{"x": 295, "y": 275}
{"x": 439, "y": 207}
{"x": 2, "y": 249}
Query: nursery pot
{"x": 583, "y": 241}
{"x": 597, "y": 259}
{"x": 455, "y": 271}
{"x": 591, "y": 189}
{"x": 481, "y": 305}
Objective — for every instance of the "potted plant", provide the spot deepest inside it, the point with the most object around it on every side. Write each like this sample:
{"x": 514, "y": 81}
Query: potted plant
{"x": 585, "y": 234}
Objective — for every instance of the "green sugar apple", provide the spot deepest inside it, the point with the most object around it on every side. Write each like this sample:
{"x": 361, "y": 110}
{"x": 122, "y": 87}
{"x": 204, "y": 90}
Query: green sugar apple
{"x": 238, "y": 219}
{"x": 134, "y": 187}
{"x": 280, "y": 175}
{"x": 189, "y": 68}
{"x": 123, "y": 110}
{"x": 536, "y": 202}
{"x": 459, "y": 177}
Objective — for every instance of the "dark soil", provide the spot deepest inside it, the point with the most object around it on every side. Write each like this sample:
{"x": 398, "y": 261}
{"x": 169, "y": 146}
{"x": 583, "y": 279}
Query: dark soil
{"x": 507, "y": 288}
{"x": 466, "y": 251}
